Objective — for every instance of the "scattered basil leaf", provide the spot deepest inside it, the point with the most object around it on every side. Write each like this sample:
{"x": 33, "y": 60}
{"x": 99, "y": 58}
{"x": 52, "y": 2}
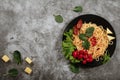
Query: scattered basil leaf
{"x": 83, "y": 37}
{"x": 58, "y": 18}
{"x": 86, "y": 44}
{"x": 74, "y": 68}
{"x": 17, "y": 57}
{"x": 13, "y": 72}
{"x": 89, "y": 31}
{"x": 77, "y": 9}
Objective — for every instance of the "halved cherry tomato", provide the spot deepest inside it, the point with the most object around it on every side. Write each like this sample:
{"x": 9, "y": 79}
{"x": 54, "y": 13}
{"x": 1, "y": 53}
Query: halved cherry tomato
{"x": 75, "y": 30}
{"x": 79, "y": 24}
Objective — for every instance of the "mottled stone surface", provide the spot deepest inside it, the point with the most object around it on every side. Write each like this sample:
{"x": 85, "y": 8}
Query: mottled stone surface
{"x": 29, "y": 26}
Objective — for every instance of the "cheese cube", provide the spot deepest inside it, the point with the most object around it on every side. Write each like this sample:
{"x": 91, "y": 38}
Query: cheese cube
{"x": 5, "y": 58}
{"x": 28, "y": 60}
{"x": 28, "y": 70}
{"x": 109, "y": 31}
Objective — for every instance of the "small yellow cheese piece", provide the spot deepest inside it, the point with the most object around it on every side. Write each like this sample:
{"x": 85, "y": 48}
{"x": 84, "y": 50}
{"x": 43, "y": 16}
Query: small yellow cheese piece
{"x": 109, "y": 31}
{"x": 110, "y": 38}
{"x": 5, "y": 58}
{"x": 28, "y": 70}
{"x": 28, "y": 60}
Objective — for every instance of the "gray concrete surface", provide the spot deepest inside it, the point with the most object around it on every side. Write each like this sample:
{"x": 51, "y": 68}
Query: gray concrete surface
{"x": 29, "y": 26}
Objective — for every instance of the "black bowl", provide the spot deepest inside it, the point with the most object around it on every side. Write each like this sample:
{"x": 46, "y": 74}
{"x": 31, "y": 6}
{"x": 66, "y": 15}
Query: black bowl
{"x": 98, "y": 21}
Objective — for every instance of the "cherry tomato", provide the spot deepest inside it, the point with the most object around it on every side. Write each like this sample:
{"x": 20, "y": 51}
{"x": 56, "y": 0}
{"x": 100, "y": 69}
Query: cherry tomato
{"x": 89, "y": 55}
{"x": 85, "y": 52}
{"x": 75, "y": 54}
{"x": 81, "y": 52}
{"x": 75, "y": 30}
{"x": 93, "y": 41}
{"x": 80, "y": 56}
{"x": 84, "y": 61}
{"x": 85, "y": 56}
{"x": 90, "y": 59}
{"x": 79, "y": 24}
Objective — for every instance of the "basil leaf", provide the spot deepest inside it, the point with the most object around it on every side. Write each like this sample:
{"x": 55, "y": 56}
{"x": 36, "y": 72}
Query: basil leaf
{"x": 83, "y": 37}
{"x": 17, "y": 57}
{"x": 89, "y": 31}
{"x": 13, "y": 72}
{"x": 86, "y": 44}
{"x": 74, "y": 68}
{"x": 58, "y": 18}
{"x": 78, "y": 9}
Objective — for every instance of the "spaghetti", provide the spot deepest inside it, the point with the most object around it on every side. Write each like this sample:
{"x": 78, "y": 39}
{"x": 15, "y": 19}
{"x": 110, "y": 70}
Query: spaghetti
{"x": 101, "y": 37}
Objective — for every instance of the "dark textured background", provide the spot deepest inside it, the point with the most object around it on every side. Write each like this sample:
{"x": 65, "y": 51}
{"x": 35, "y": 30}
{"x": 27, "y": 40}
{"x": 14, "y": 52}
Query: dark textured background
{"x": 29, "y": 26}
